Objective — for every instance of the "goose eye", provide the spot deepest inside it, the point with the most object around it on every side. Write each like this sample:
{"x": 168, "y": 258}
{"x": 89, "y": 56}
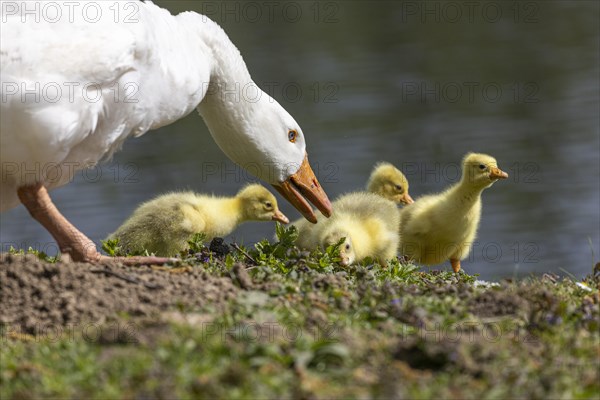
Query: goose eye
{"x": 481, "y": 166}
{"x": 398, "y": 187}
{"x": 347, "y": 246}
{"x": 292, "y": 135}
{"x": 268, "y": 204}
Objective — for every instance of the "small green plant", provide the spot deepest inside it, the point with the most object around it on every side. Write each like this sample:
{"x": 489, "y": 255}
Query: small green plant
{"x": 196, "y": 242}
{"x": 287, "y": 236}
{"x": 325, "y": 260}
{"x": 272, "y": 253}
{"x": 39, "y": 254}
{"x": 17, "y": 252}
{"x": 287, "y": 240}
{"x": 111, "y": 247}
{"x": 332, "y": 254}
{"x": 402, "y": 272}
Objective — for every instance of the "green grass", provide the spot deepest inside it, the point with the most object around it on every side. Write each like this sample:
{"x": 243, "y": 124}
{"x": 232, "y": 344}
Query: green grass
{"x": 39, "y": 254}
{"x": 310, "y": 329}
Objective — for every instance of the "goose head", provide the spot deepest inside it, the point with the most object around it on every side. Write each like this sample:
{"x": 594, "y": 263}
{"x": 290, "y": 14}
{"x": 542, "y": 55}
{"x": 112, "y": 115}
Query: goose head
{"x": 263, "y": 138}
{"x": 258, "y": 204}
{"x": 389, "y": 182}
{"x": 481, "y": 170}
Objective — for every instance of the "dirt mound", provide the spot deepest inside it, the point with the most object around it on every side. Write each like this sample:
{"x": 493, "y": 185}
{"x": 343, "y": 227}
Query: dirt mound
{"x": 36, "y": 294}
{"x": 494, "y": 303}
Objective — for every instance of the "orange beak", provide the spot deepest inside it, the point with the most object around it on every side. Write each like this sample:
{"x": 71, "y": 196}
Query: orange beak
{"x": 304, "y": 184}
{"x": 406, "y": 199}
{"x": 344, "y": 261}
{"x": 279, "y": 216}
{"x": 497, "y": 173}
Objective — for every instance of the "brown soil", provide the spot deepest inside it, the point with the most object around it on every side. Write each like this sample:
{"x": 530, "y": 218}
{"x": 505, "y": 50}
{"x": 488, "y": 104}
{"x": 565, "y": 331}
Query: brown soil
{"x": 36, "y": 294}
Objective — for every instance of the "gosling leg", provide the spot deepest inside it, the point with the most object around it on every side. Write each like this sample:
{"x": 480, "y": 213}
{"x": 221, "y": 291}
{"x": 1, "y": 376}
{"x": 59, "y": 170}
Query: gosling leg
{"x": 455, "y": 264}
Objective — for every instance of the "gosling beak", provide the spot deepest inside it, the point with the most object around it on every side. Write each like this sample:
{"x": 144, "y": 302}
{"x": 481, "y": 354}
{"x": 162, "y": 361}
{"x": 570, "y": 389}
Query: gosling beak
{"x": 280, "y": 217}
{"x": 344, "y": 261}
{"x": 303, "y": 186}
{"x": 406, "y": 199}
{"x": 497, "y": 173}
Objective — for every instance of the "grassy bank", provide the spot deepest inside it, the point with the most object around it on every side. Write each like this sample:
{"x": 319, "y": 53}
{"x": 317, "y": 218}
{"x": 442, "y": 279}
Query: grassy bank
{"x": 296, "y": 325}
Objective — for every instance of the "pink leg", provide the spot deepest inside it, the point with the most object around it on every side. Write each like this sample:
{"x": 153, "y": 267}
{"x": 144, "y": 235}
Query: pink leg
{"x": 69, "y": 239}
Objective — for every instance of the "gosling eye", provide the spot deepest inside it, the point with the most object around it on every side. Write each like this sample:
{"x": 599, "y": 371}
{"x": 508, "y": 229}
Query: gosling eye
{"x": 268, "y": 204}
{"x": 398, "y": 187}
{"x": 482, "y": 166}
{"x": 347, "y": 246}
{"x": 292, "y": 135}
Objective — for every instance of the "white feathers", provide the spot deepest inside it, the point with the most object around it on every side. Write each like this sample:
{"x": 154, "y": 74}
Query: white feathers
{"x": 73, "y": 90}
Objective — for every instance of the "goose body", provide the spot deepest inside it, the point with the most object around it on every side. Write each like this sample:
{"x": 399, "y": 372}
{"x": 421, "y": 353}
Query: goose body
{"x": 369, "y": 223}
{"x": 75, "y": 90}
{"x": 122, "y": 85}
{"x": 164, "y": 225}
{"x": 443, "y": 226}
{"x": 389, "y": 182}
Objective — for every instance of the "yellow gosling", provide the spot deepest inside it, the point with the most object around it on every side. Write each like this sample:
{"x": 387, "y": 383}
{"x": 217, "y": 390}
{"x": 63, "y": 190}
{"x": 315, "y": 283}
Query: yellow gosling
{"x": 164, "y": 225}
{"x": 389, "y": 182}
{"x": 367, "y": 221}
{"x": 443, "y": 226}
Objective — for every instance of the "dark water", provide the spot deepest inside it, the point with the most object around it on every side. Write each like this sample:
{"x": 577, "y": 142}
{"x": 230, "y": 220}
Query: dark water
{"x": 417, "y": 84}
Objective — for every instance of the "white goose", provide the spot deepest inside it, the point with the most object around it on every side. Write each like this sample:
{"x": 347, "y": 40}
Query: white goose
{"x": 75, "y": 88}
